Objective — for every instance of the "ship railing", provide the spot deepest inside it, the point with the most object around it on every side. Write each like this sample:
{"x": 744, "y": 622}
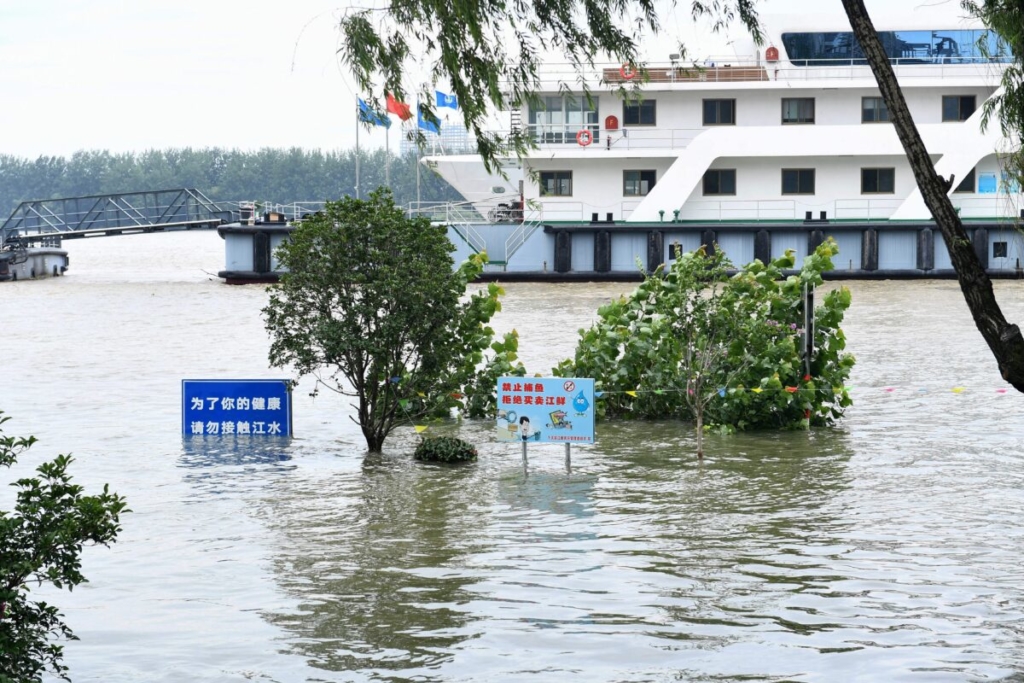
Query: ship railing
{"x": 864, "y": 209}
{"x": 904, "y": 69}
{"x": 752, "y": 68}
{"x": 739, "y": 210}
{"x": 445, "y": 212}
{"x": 597, "y": 138}
{"x": 991, "y": 206}
{"x": 460, "y": 216}
{"x": 1008, "y": 205}
{"x": 291, "y": 211}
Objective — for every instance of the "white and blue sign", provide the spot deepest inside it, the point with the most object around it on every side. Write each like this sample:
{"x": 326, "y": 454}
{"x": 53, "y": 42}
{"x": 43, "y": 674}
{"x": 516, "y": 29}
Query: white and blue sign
{"x": 546, "y": 409}
{"x": 244, "y": 407}
{"x": 987, "y": 183}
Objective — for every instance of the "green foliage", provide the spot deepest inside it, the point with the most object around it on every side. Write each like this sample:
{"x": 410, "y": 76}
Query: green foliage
{"x": 445, "y": 449}
{"x": 373, "y": 308}
{"x": 41, "y": 541}
{"x": 489, "y": 51}
{"x": 276, "y": 175}
{"x": 1006, "y": 18}
{"x": 692, "y": 341}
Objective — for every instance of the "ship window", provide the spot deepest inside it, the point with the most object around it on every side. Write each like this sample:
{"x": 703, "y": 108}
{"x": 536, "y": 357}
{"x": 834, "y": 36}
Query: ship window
{"x": 639, "y": 113}
{"x": 719, "y": 112}
{"x": 877, "y": 180}
{"x": 798, "y": 181}
{"x": 957, "y": 107}
{"x": 720, "y": 181}
{"x": 638, "y": 183}
{"x": 873, "y": 110}
{"x": 556, "y": 183}
{"x": 935, "y": 46}
{"x": 798, "y": 110}
{"x": 999, "y": 250}
{"x": 967, "y": 184}
{"x": 557, "y": 119}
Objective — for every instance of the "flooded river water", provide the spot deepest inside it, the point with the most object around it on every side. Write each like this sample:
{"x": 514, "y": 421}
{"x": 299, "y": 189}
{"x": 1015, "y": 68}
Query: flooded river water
{"x": 887, "y": 549}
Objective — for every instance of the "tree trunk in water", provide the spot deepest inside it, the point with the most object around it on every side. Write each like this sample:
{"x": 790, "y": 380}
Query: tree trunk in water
{"x": 1003, "y": 338}
{"x": 374, "y": 441}
{"x": 700, "y": 433}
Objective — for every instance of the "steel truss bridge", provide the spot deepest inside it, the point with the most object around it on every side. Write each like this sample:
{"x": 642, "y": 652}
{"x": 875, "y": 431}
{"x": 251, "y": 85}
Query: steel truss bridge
{"x": 50, "y": 220}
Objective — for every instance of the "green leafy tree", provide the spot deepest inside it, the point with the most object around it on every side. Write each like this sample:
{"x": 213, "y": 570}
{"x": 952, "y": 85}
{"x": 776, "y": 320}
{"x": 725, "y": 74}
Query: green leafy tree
{"x": 695, "y": 343}
{"x": 372, "y": 307}
{"x": 41, "y": 542}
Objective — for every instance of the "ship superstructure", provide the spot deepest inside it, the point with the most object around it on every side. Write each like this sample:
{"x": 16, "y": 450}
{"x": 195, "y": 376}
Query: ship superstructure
{"x": 768, "y": 149}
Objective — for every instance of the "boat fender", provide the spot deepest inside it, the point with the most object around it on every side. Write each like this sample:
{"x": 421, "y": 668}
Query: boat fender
{"x": 627, "y": 72}
{"x": 584, "y": 138}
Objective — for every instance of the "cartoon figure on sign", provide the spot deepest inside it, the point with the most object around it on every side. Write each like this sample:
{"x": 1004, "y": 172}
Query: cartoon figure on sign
{"x": 580, "y": 403}
{"x": 526, "y": 431}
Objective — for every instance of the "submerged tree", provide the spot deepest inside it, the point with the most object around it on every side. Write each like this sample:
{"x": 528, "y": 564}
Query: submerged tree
{"x": 372, "y": 306}
{"x": 41, "y": 542}
{"x": 696, "y": 343}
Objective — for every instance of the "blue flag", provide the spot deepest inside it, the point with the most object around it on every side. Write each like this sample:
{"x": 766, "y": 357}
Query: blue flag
{"x": 370, "y": 116}
{"x": 425, "y": 124}
{"x": 446, "y": 100}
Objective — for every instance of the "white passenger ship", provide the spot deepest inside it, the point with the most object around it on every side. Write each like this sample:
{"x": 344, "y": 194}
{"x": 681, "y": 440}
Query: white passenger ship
{"x": 774, "y": 148}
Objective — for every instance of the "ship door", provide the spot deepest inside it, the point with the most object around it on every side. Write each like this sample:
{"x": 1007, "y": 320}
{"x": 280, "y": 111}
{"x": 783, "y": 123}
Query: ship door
{"x": 261, "y": 252}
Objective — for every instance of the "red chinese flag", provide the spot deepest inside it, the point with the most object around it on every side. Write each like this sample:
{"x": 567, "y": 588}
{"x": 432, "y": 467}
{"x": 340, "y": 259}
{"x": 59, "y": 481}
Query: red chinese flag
{"x": 401, "y": 109}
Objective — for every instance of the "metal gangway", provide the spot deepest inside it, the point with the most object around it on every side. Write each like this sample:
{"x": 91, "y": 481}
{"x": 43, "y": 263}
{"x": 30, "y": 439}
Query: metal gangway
{"x": 478, "y": 231}
{"x": 112, "y": 214}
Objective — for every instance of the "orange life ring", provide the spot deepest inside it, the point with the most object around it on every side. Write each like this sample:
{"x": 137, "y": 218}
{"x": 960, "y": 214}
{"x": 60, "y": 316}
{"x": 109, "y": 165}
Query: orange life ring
{"x": 584, "y": 138}
{"x": 627, "y": 72}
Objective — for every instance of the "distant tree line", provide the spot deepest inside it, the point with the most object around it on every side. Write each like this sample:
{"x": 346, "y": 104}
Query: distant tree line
{"x": 276, "y": 175}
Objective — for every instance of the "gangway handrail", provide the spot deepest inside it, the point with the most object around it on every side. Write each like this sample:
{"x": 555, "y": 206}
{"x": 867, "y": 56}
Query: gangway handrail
{"x": 532, "y": 219}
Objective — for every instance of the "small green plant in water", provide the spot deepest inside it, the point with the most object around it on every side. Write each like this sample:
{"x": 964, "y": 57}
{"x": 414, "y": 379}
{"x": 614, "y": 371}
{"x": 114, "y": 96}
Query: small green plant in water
{"x": 445, "y": 449}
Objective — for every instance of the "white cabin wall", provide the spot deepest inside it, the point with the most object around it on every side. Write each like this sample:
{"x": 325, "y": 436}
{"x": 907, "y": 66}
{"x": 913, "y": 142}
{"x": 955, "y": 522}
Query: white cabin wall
{"x": 597, "y": 186}
{"x": 837, "y": 186}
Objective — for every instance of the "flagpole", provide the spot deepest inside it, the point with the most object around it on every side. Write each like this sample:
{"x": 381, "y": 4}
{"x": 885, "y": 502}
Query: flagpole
{"x": 418, "y": 117}
{"x": 357, "y": 151}
{"x": 387, "y": 156}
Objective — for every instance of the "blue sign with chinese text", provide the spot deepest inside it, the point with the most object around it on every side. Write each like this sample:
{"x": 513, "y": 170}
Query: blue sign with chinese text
{"x": 247, "y": 407}
{"x": 546, "y": 409}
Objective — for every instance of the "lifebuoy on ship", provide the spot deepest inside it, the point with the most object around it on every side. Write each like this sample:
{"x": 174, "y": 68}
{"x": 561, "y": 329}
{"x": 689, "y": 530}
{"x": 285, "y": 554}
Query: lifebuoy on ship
{"x": 584, "y": 138}
{"x": 627, "y": 72}
{"x": 772, "y": 54}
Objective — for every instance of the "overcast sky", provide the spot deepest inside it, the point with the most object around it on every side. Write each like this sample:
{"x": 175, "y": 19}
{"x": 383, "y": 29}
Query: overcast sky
{"x": 139, "y": 74}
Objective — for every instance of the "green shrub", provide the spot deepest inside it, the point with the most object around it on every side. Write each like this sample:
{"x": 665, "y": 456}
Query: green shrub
{"x": 445, "y": 449}
{"x": 694, "y": 342}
